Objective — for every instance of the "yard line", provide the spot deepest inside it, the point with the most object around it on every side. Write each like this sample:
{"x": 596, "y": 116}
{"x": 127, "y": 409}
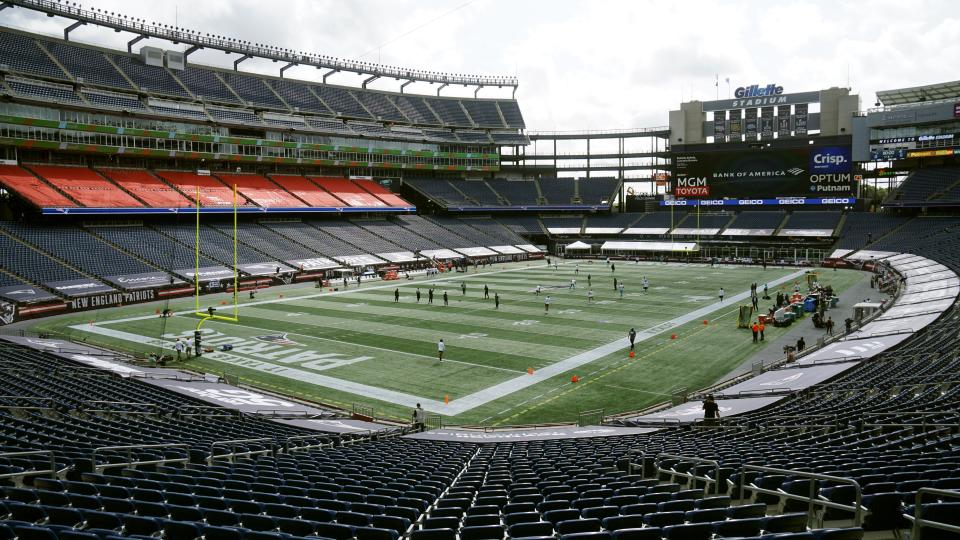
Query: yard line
{"x": 635, "y": 390}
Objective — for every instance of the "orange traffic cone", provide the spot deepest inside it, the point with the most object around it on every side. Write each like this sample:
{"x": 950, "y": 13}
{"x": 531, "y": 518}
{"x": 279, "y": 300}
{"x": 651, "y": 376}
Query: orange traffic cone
{"x": 574, "y": 379}
{"x": 446, "y": 399}
{"x": 673, "y": 336}
{"x": 632, "y": 354}
{"x": 706, "y": 322}
{"x": 529, "y": 371}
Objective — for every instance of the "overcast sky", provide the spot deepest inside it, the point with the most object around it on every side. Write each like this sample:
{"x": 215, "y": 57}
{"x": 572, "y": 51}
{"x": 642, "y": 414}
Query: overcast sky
{"x": 583, "y": 64}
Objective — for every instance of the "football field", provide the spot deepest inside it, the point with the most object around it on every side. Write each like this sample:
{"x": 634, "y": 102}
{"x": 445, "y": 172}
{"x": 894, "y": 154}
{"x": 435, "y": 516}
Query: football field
{"x": 503, "y": 366}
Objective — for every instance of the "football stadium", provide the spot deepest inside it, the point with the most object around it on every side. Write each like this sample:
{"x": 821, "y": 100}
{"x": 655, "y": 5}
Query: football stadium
{"x": 251, "y": 304}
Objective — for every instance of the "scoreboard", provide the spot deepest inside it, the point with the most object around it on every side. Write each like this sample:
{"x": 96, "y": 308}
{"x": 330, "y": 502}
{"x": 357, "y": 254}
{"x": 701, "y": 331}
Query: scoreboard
{"x": 815, "y": 171}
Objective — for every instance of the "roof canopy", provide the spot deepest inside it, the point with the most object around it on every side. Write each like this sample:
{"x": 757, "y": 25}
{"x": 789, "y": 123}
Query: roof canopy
{"x": 916, "y": 94}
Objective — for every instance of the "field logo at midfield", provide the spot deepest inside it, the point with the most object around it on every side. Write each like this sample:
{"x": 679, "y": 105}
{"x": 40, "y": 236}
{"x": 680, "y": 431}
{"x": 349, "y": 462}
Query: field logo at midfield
{"x": 279, "y": 339}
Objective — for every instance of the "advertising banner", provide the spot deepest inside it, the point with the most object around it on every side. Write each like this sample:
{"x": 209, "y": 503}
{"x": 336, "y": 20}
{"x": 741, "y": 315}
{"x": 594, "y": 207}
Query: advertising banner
{"x": 783, "y": 121}
{"x": 720, "y": 126}
{"x": 736, "y": 125}
{"x": 824, "y": 171}
{"x": 79, "y": 287}
{"x": 800, "y": 119}
{"x": 25, "y": 294}
{"x": 750, "y": 124}
{"x": 147, "y": 280}
{"x": 766, "y": 123}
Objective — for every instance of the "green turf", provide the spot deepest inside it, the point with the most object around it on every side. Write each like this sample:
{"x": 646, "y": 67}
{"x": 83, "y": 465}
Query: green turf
{"x": 392, "y": 346}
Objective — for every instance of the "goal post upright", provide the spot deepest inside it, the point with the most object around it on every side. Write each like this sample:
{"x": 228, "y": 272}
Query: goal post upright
{"x": 204, "y": 317}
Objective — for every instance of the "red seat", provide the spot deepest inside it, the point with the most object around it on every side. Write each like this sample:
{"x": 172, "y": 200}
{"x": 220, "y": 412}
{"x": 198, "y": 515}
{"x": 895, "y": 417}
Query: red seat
{"x": 147, "y": 187}
{"x": 31, "y": 188}
{"x": 86, "y": 186}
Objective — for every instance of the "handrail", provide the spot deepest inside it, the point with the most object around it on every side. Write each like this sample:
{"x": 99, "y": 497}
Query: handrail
{"x": 52, "y": 470}
{"x": 49, "y": 401}
{"x": 233, "y": 446}
{"x": 151, "y": 406}
{"x": 705, "y": 479}
{"x": 812, "y": 500}
{"x": 919, "y": 523}
{"x": 215, "y": 411}
{"x": 131, "y": 462}
{"x": 288, "y": 447}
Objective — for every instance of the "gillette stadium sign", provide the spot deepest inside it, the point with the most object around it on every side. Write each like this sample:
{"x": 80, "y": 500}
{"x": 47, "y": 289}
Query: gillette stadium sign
{"x": 760, "y": 95}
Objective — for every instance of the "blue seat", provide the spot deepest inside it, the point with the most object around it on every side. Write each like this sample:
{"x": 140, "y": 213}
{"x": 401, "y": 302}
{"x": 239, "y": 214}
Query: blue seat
{"x": 616, "y": 523}
{"x": 257, "y": 522}
{"x": 538, "y": 528}
{"x": 600, "y": 512}
{"x": 647, "y": 533}
{"x": 430, "y": 534}
{"x": 146, "y": 526}
{"x": 785, "y": 523}
{"x": 394, "y": 523}
{"x": 296, "y": 527}
{"x": 663, "y": 519}
{"x": 885, "y": 512}
{"x": 335, "y": 531}
{"x": 713, "y": 502}
{"x": 32, "y": 532}
{"x": 182, "y": 529}
{"x": 102, "y": 520}
{"x": 851, "y": 533}
{"x": 706, "y": 516}
{"x": 573, "y": 526}
{"x": 440, "y": 523}
{"x": 481, "y": 532}
{"x": 26, "y": 513}
{"x": 482, "y": 520}
{"x": 221, "y": 533}
{"x": 374, "y": 533}
{"x": 588, "y": 536}
{"x": 521, "y": 517}
{"x": 747, "y": 511}
{"x": 638, "y": 509}
{"x": 738, "y": 527}
{"x": 682, "y": 505}
{"x": 694, "y": 531}
{"x": 221, "y": 518}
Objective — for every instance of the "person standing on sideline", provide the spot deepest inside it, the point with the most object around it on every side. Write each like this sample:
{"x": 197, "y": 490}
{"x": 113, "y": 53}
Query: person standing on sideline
{"x": 613, "y": 268}
{"x": 762, "y": 328}
{"x": 576, "y": 269}
{"x": 588, "y": 281}
{"x": 721, "y": 294}
{"x": 537, "y": 291}
{"x": 419, "y": 419}
{"x": 178, "y": 346}
{"x": 463, "y": 288}
{"x": 486, "y": 292}
{"x": 711, "y": 411}
{"x": 755, "y": 301}
{"x": 441, "y": 346}
{"x": 829, "y": 326}
{"x": 418, "y": 295}
{"x": 801, "y": 344}
{"x": 632, "y": 334}
{"x": 430, "y": 296}
{"x": 496, "y": 301}
{"x": 765, "y": 295}
{"x": 756, "y": 331}
{"x": 621, "y": 290}
{"x": 446, "y": 299}
{"x": 396, "y": 295}
{"x": 573, "y": 284}
{"x": 590, "y": 296}
{"x": 614, "y": 283}
{"x": 345, "y": 282}
{"x": 546, "y": 304}
{"x": 646, "y": 284}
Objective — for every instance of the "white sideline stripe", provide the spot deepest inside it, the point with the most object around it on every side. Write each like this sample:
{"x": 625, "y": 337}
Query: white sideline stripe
{"x": 481, "y": 397}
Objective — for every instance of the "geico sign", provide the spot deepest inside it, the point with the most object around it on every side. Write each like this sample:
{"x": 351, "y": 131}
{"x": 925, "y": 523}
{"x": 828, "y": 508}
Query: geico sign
{"x": 791, "y": 201}
{"x": 835, "y": 201}
{"x": 748, "y": 202}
